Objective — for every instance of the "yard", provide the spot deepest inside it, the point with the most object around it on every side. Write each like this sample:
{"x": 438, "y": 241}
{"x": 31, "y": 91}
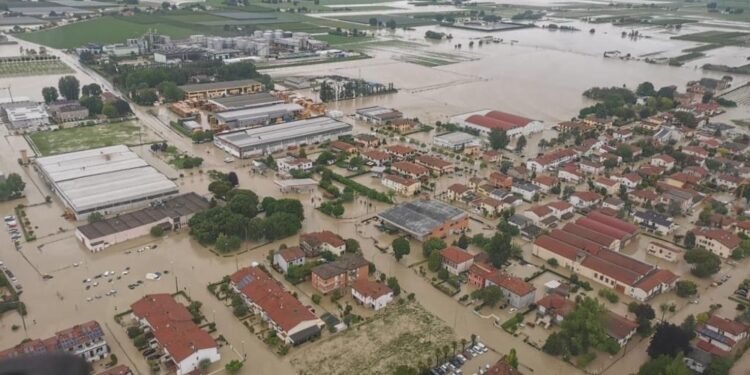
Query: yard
{"x": 402, "y": 334}
{"x": 88, "y": 137}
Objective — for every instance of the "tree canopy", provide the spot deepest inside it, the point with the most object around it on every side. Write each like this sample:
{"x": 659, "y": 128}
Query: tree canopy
{"x": 582, "y": 329}
{"x": 669, "y": 340}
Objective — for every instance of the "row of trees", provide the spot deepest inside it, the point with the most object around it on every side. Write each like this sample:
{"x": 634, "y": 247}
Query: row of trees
{"x": 88, "y": 96}
{"x": 12, "y": 187}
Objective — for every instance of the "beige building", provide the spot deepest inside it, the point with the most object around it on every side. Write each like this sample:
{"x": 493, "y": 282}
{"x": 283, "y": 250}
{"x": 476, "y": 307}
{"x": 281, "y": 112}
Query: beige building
{"x": 221, "y": 89}
{"x": 401, "y": 185}
{"x": 718, "y": 241}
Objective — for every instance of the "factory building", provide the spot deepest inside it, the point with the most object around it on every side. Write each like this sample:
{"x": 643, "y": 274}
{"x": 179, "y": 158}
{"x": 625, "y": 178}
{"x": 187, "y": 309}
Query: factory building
{"x": 269, "y": 139}
{"x": 219, "y": 89}
{"x": 105, "y": 180}
{"x": 257, "y": 116}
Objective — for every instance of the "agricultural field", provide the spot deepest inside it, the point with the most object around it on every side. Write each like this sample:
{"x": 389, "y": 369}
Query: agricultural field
{"x": 33, "y": 68}
{"x": 402, "y": 334}
{"x": 718, "y": 37}
{"x": 88, "y": 137}
{"x": 401, "y": 20}
{"x": 337, "y": 40}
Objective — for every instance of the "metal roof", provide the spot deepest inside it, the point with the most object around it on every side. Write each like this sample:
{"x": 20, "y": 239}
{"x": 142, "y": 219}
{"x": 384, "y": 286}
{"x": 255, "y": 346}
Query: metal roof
{"x": 421, "y": 217}
{"x": 246, "y": 101}
{"x": 218, "y": 85}
{"x": 283, "y": 132}
{"x": 259, "y": 112}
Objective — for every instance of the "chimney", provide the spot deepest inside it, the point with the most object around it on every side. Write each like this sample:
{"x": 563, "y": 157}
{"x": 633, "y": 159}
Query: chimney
{"x": 24, "y": 157}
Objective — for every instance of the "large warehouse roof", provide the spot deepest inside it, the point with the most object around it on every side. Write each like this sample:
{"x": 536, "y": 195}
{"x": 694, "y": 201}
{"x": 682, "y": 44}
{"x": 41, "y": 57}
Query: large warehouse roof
{"x": 259, "y": 112}
{"x": 275, "y": 133}
{"x": 421, "y": 217}
{"x": 103, "y": 178}
{"x": 246, "y": 101}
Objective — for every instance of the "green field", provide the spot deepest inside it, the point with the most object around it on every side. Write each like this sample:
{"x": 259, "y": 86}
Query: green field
{"x": 19, "y": 69}
{"x": 718, "y": 37}
{"x": 337, "y": 40}
{"x": 401, "y": 20}
{"x": 88, "y": 137}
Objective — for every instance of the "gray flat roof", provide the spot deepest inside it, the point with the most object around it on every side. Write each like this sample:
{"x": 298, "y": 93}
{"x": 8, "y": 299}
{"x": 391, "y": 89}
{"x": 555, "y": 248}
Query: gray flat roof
{"x": 246, "y": 101}
{"x": 103, "y": 177}
{"x": 218, "y": 85}
{"x": 276, "y": 133}
{"x": 181, "y": 205}
{"x": 421, "y": 217}
{"x": 295, "y": 182}
{"x": 259, "y": 112}
{"x": 456, "y": 137}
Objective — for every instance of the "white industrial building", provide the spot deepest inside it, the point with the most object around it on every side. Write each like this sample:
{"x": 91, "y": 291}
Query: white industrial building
{"x": 23, "y": 114}
{"x": 456, "y": 141}
{"x": 485, "y": 121}
{"x": 269, "y": 139}
{"x": 106, "y": 180}
{"x": 258, "y": 116}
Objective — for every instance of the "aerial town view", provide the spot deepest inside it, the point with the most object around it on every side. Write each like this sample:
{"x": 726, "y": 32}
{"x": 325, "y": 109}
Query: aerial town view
{"x": 395, "y": 187}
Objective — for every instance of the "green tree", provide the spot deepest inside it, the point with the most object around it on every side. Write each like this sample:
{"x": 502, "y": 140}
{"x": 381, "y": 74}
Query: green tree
{"x": 391, "y": 24}
{"x": 244, "y": 204}
{"x": 93, "y": 104}
{"x": 392, "y": 283}
{"x": 352, "y": 246}
{"x": 520, "y": 143}
{"x": 645, "y": 89}
{"x": 170, "y": 92}
{"x": 234, "y": 366}
{"x": 49, "y": 94}
{"x": 432, "y": 244}
{"x": 582, "y": 329}
{"x": 325, "y": 157}
{"x": 669, "y": 340}
{"x": 689, "y": 240}
{"x": 219, "y": 188}
{"x": 95, "y": 217}
{"x": 401, "y": 248}
{"x": 157, "y": 231}
{"x": 12, "y": 187}
{"x": 705, "y": 263}
{"x": 719, "y": 366}
{"x": 225, "y": 244}
{"x": 280, "y": 225}
{"x": 489, "y": 295}
{"x": 498, "y": 139}
{"x": 69, "y": 87}
{"x": 435, "y": 261}
{"x": 91, "y": 89}
{"x": 146, "y": 97}
{"x": 512, "y": 358}
{"x": 664, "y": 365}
{"x": 110, "y": 111}
{"x": 686, "y": 288}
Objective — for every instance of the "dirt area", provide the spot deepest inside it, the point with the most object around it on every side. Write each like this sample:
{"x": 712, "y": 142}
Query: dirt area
{"x": 404, "y": 333}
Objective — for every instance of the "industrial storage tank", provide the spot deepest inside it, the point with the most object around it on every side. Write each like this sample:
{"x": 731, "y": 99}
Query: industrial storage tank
{"x": 278, "y": 34}
{"x": 268, "y": 35}
{"x": 258, "y": 33}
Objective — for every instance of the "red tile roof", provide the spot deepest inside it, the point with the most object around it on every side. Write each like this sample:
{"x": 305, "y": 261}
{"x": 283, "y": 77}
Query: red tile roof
{"x": 277, "y": 303}
{"x": 699, "y": 151}
{"x": 556, "y": 246}
{"x": 560, "y": 205}
{"x": 376, "y": 155}
{"x": 618, "y": 326}
{"x": 409, "y": 168}
{"x": 458, "y": 188}
{"x": 400, "y": 150}
{"x": 602, "y": 228}
{"x": 545, "y": 180}
{"x": 400, "y": 180}
{"x": 665, "y": 158}
{"x": 172, "y": 325}
{"x": 490, "y": 123}
{"x": 492, "y": 202}
{"x": 511, "y": 283}
{"x": 64, "y": 340}
{"x": 371, "y": 289}
{"x": 613, "y": 222}
{"x": 656, "y": 279}
{"x": 343, "y": 146}
{"x": 724, "y": 237}
{"x": 502, "y": 368}
{"x": 117, "y": 370}
{"x": 557, "y": 304}
{"x": 605, "y": 181}
{"x": 434, "y": 162}
{"x": 707, "y": 347}
{"x": 576, "y": 241}
{"x": 555, "y": 156}
{"x": 326, "y": 236}
{"x": 616, "y": 272}
{"x": 541, "y": 211}
{"x": 455, "y": 255}
{"x": 508, "y": 117}
{"x": 592, "y": 235}
{"x": 291, "y": 254}
{"x": 723, "y": 324}
{"x": 587, "y": 196}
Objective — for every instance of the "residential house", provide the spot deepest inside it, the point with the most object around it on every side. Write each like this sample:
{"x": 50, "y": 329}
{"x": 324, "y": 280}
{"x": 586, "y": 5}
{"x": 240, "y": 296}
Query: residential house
{"x": 525, "y": 190}
{"x": 366, "y": 140}
{"x": 372, "y": 294}
{"x": 479, "y": 271}
{"x": 457, "y": 191}
{"x": 342, "y": 147}
{"x": 591, "y": 167}
{"x": 720, "y": 336}
{"x": 376, "y": 157}
{"x": 538, "y": 214}
{"x": 728, "y": 181}
{"x": 487, "y": 206}
{"x": 502, "y": 367}
{"x": 554, "y": 307}
{"x": 491, "y": 156}
{"x": 613, "y": 203}
{"x": 411, "y": 170}
{"x": 570, "y": 173}
{"x": 456, "y": 260}
{"x": 623, "y": 134}
{"x": 404, "y": 186}
{"x": 400, "y": 152}
{"x": 609, "y": 185}
{"x": 552, "y": 159}
{"x": 404, "y": 125}
{"x": 544, "y": 182}
{"x": 501, "y": 180}
{"x": 186, "y": 344}
{"x": 290, "y": 256}
{"x": 339, "y": 274}
{"x": 289, "y": 164}
{"x": 85, "y": 340}
{"x": 664, "y": 161}
{"x": 561, "y": 209}
{"x": 435, "y": 164}
{"x": 664, "y": 251}
{"x": 654, "y": 221}
{"x": 517, "y": 292}
{"x": 718, "y": 241}
{"x": 619, "y": 328}
{"x": 314, "y": 243}
{"x": 584, "y": 199}
{"x": 629, "y": 180}
{"x": 698, "y": 152}
{"x": 293, "y": 323}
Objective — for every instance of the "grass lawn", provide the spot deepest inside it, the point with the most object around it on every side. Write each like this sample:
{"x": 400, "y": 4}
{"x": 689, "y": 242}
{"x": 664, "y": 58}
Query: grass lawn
{"x": 18, "y": 69}
{"x": 104, "y": 30}
{"x": 88, "y": 137}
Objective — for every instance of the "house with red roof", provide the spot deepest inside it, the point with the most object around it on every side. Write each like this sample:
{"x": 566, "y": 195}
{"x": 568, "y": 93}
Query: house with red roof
{"x": 698, "y": 152}
{"x": 584, "y": 199}
{"x": 629, "y": 180}
{"x": 487, "y": 206}
{"x": 664, "y": 161}
{"x": 117, "y": 370}
{"x": 641, "y": 196}
{"x": 544, "y": 182}
{"x": 609, "y": 185}
{"x": 501, "y": 367}
{"x": 620, "y": 328}
{"x": 435, "y": 164}
{"x": 376, "y": 157}
{"x": 591, "y": 167}
{"x": 290, "y": 256}
{"x": 372, "y": 294}
{"x": 478, "y": 273}
{"x": 728, "y": 181}
{"x": 538, "y": 213}
{"x": 313, "y": 243}
{"x": 517, "y": 292}
{"x": 555, "y": 307}
{"x": 561, "y": 208}
{"x": 339, "y": 274}
{"x": 400, "y": 152}
{"x": 551, "y": 159}
{"x": 341, "y": 146}
{"x": 85, "y": 340}
{"x": 186, "y": 344}
{"x": 501, "y": 180}
{"x": 293, "y": 323}
{"x": 718, "y": 241}
{"x": 486, "y": 121}
{"x": 457, "y": 191}
{"x": 720, "y": 336}
{"x": 411, "y": 170}
{"x": 570, "y": 173}
{"x": 402, "y": 185}
{"x": 456, "y": 260}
